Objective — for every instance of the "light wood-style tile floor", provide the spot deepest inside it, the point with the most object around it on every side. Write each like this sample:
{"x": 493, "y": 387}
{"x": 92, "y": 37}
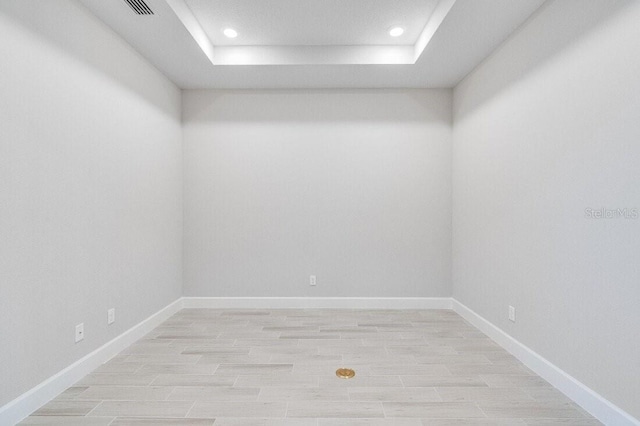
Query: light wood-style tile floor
{"x": 277, "y": 368}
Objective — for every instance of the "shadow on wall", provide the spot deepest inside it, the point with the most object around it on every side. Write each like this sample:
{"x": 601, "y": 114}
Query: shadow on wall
{"x": 321, "y": 105}
{"x": 552, "y": 29}
{"x": 85, "y": 42}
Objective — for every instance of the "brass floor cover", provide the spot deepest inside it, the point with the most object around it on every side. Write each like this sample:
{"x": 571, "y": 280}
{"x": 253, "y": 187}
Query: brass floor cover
{"x": 345, "y": 373}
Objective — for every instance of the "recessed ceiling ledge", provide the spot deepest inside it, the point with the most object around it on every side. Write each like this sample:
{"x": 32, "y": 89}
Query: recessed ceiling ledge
{"x": 188, "y": 19}
{"x": 312, "y": 55}
{"x": 439, "y": 14}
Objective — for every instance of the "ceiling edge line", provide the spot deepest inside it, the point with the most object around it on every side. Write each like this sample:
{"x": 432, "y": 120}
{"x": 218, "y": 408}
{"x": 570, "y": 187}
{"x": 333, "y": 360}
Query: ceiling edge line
{"x": 191, "y": 23}
{"x": 437, "y": 17}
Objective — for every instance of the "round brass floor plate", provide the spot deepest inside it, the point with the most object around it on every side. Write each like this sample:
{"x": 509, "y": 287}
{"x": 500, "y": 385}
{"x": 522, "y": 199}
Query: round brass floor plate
{"x": 345, "y": 373}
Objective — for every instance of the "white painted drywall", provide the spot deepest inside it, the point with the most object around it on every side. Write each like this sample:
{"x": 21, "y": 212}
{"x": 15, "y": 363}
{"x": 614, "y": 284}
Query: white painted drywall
{"x": 545, "y": 128}
{"x": 90, "y": 188}
{"x": 350, "y": 186}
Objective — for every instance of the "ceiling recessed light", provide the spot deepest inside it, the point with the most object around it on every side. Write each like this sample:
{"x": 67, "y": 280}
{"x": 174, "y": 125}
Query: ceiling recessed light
{"x": 396, "y": 31}
{"x": 230, "y": 32}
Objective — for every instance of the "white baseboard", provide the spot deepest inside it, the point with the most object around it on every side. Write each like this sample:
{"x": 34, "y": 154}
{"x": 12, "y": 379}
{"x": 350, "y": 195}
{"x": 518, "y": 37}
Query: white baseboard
{"x": 318, "y": 302}
{"x": 585, "y": 397}
{"x": 21, "y": 407}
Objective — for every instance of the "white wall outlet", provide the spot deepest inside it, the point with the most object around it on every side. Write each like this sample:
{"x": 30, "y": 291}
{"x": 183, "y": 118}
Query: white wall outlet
{"x": 512, "y": 314}
{"x": 79, "y": 332}
{"x": 312, "y": 280}
{"x": 111, "y": 316}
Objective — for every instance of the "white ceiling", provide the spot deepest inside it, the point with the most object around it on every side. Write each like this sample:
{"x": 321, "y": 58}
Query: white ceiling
{"x": 316, "y": 43}
{"x": 312, "y": 22}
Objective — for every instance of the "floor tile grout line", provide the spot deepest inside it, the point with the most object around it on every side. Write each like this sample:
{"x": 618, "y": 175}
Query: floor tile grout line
{"x": 481, "y": 410}
{"x": 93, "y": 409}
{"x": 186, "y": 416}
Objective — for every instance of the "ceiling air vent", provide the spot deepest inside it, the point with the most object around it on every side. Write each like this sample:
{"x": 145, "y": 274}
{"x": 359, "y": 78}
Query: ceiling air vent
{"x": 140, "y": 7}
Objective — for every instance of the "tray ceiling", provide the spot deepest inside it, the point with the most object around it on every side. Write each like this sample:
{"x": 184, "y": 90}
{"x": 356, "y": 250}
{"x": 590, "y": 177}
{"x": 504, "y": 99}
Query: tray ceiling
{"x": 315, "y": 44}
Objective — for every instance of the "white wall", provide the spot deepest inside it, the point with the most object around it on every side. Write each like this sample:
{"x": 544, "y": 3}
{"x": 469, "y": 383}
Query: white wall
{"x": 352, "y": 186}
{"x": 90, "y": 188}
{"x": 547, "y": 127}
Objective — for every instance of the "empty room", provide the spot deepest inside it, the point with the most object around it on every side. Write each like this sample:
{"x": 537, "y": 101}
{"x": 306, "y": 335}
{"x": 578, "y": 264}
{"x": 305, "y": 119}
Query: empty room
{"x": 320, "y": 212}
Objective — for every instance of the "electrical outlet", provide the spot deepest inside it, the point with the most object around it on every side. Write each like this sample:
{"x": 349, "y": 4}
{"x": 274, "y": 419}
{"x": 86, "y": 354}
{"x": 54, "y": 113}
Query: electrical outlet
{"x": 111, "y": 316}
{"x": 512, "y": 314}
{"x": 312, "y": 280}
{"x": 79, "y": 332}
